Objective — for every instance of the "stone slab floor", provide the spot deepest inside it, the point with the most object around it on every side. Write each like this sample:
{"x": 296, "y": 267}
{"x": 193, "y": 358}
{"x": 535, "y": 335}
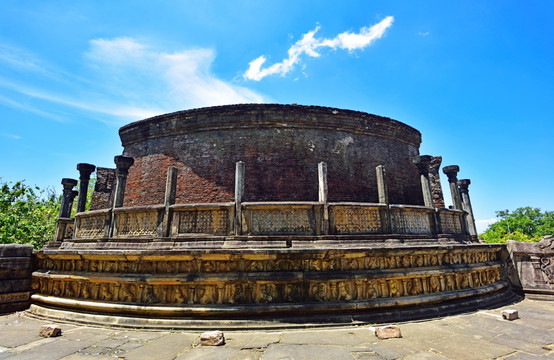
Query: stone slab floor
{"x": 480, "y": 335}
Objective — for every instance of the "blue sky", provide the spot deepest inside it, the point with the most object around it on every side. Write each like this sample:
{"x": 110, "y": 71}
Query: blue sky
{"x": 475, "y": 77}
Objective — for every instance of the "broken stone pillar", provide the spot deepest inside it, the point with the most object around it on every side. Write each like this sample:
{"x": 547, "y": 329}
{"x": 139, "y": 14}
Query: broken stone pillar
{"x": 323, "y": 194}
{"x": 102, "y": 196}
{"x": 122, "y": 163}
{"x": 67, "y": 197}
{"x": 84, "y": 170}
{"x": 451, "y": 172}
{"x": 383, "y": 197}
{"x": 170, "y": 195}
{"x": 470, "y": 219}
{"x": 422, "y": 162}
{"x": 435, "y": 181}
{"x": 239, "y": 193}
{"x": 322, "y": 178}
{"x": 382, "y": 185}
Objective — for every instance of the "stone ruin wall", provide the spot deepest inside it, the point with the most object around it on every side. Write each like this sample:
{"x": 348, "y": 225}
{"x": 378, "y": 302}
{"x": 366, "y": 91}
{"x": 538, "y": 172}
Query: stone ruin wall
{"x": 281, "y": 159}
{"x": 102, "y": 197}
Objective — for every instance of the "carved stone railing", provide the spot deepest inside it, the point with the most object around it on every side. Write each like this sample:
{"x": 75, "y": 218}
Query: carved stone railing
{"x": 269, "y": 218}
{"x": 194, "y": 219}
{"x": 92, "y": 224}
{"x": 64, "y": 229}
{"x": 357, "y": 218}
{"x": 138, "y": 221}
{"x": 417, "y": 220}
{"x": 451, "y": 221}
{"x": 282, "y": 218}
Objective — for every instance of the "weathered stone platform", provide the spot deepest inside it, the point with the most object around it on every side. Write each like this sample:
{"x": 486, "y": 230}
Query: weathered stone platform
{"x": 292, "y": 286}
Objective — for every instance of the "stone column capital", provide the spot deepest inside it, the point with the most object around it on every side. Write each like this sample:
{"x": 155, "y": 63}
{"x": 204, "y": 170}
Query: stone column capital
{"x": 422, "y": 162}
{"x": 85, "y": 170}
{"x": 451, "y": 171}
{"x": 68, "y": 184}
{"x": 123, "y": 163}
{"x": 463, "y": 184}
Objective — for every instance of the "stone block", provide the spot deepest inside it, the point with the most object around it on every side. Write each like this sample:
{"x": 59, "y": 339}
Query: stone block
{"x": 212, "y": 338}
{"x": 510, "y": 314}
{"x": 388, "y": 332}
{"x": 17, "y": 285}
{"x": 19, "y": 262}
{"x": 50, "y": 331}
{"x": 15, "y": 250}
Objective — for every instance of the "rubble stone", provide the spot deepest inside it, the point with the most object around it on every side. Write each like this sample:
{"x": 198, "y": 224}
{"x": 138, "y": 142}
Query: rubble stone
{"x": 212, "y": 338}
{"x": 50, "y": 331}
{"x": 388, "y": 332}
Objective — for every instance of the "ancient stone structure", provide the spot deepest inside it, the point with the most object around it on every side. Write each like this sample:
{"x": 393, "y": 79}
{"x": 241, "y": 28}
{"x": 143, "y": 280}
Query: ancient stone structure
{"x": 534, "y": 267}
{"x": 281, "y": 212}
{"x": 15, "y": 277}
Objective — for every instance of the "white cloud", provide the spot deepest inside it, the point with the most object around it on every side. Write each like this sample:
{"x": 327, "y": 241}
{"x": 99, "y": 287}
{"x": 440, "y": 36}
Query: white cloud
{"x": 309, "y": 45}
{"x": 173, "y": 81}
{"x": 483, "y": 224}
{"x": 10, "y": 136}
{"x": 423, "y": 33}
{"x": 128, "y": 80}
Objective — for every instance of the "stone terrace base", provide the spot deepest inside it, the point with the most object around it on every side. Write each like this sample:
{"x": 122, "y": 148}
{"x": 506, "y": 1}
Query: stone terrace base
{"x": 290, "y": 286}
{"x": 378, "y": 313}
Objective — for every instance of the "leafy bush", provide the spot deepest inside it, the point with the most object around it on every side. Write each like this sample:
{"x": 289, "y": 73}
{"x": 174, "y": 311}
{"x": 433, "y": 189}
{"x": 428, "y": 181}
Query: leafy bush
{"x": 525, "y": 224}
{"x": 27, "y": 214}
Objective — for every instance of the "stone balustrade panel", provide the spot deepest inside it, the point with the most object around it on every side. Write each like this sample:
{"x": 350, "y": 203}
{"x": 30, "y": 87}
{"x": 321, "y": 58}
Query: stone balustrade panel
{"x": 137, "y": 222}
{"x": 451, "y": 222}
{"x": 91, "y": 225}
{"x": 355, "y": 219}
{"x": 203, "y": 221}
{"x": 279, "y": 220}
{"x": 411, "y": 221}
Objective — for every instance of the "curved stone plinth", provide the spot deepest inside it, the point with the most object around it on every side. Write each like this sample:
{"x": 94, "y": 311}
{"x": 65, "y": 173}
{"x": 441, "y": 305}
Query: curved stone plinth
{"x": 294, "y": 285}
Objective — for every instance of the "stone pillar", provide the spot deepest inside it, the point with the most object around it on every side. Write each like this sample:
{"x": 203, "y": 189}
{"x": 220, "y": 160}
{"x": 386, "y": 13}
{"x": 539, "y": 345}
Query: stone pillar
{"x": 382, "y": 185}
{"x": 84, "y": 170}
{"x": 67, "y": 197}
{"x": 464, "y": 191}
{"x": 451, "y": 172}
{"x": 322, "y": 179}
{"x": 122, "y": 163}
{"x": 72, "y": 197}
{"x": 422, "y": 162}
{"x": 323, "y": 194}
{"x": 170, "y": 195}
{"x": 435, "y": 181}
{"x": 239, "y": 193}
{"x": 383, "y": 198}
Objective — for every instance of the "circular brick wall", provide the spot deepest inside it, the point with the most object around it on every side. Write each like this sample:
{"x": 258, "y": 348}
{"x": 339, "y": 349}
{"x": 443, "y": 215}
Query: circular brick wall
{"x": 280, "y": 146}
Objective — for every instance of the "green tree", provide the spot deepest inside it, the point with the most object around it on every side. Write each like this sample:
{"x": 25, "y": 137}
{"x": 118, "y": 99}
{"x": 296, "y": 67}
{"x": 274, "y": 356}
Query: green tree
{"x": 526, "y": 224}
{"x": 27, "y": 214}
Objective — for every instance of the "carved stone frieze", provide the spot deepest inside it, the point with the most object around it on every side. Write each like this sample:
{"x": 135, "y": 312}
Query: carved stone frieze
{"x": 220, "y": 263}
{"x": 223, "y": 291}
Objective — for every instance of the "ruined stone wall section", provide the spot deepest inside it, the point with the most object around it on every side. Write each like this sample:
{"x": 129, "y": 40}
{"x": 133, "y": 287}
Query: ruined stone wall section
{"x": 434, "y": 179}
{"x": 102, "y": 197}
{"x": 15, "y": 277}
{"x": 280, "y": 145}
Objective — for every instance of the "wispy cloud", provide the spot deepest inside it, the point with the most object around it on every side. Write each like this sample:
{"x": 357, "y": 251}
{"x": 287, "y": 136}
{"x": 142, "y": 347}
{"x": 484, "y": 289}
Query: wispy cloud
{"x": 173, "y": 80}
{"x": 25, "y": 107}
{"x": 10, "y": 136}
{"x": 310, "y": 45}
{"x": 127, "y": 80}
{"x": 421, "y": 33}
